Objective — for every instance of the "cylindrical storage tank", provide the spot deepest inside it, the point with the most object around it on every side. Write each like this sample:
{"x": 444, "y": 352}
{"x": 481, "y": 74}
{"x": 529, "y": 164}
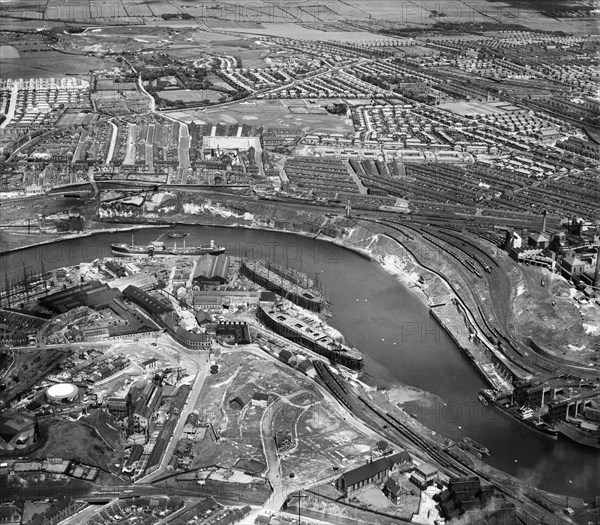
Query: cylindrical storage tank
{"x": 62, "y": 393}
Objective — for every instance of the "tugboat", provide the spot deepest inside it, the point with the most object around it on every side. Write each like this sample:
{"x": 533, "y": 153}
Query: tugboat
{"x": 482, "y": 399}
{"x": 177, "y": 234}
{"x": 487, "y": 396}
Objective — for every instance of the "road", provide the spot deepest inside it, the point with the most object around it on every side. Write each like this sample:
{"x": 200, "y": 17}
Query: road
{"x": 189, "y": 407}
{"x": 143, "y": 90}
{"x": 113, "y": 142}
{"x": 12, "y": 106}
{"x": 184, "y": 148}
{"x": 131, "y": 144}
{"x": 273, "y": 464}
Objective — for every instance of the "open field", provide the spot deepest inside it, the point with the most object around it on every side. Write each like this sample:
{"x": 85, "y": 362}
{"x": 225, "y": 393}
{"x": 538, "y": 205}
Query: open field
{"x": 76, "y": 119}
{"x": 9, "y": 52}
{"x": 76, "y": 441}
{"x": 189, "y": 95}
{"x": 48, "y": 65}
{"x": 274, "y": 113}
{"x": 291, "y": 19}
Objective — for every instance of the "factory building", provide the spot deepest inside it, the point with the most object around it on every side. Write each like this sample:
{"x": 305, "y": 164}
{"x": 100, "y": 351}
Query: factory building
{"x": 234, "y": 332}
{"x": 210, "y": 270}
{"x": 468, "y": 500}
{"x": 18, "y": 431}
{"x": 147, "y": 302}
{"x": 539, "y": 240}
{"x": 372, "y": 473}
{"x": 93, "y": 294}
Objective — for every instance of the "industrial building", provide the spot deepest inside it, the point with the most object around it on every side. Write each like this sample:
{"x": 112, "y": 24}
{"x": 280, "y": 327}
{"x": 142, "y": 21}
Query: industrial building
{"x": 62, "y": 393}
{"x": 210, "y": 270}
{"x": 468, "y": 500}
{"x": 424, "y": 475}
{"x": 93, "y": 294}
{"x": 146, "y": 301}
{"x": 234, "y": 332}
{"x": 18, "y": 431}
{"x": 372, "y": 473}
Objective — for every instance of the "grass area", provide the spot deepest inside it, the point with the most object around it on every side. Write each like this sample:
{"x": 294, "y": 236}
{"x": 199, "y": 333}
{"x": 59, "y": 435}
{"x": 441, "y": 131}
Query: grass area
{"x": 77, "y": 442}
{"x": 275, "y": 113}
{"x": 191, "y": 95}
{"x": 49, "y": 64}
{"x": 76, "y": 119}
{"x": 107, "y": 427}
{"x": 9, "y": 52}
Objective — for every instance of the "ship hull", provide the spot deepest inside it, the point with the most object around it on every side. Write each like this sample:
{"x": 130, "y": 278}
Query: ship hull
{"x": 285, "y": 289}
{"x": 353, "y": 361}
{"x": 127, "y": 251}
{"x": 546, "y": 430}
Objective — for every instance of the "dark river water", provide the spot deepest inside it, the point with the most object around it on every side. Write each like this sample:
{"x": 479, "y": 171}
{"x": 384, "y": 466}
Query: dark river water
{"x": 374, "y": 311}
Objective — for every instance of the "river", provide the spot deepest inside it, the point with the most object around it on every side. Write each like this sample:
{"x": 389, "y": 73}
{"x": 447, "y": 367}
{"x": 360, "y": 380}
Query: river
{"x": 401, "y": 341}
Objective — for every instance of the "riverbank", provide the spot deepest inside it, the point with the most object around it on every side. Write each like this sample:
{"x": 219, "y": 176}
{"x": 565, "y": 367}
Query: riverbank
{"x": 431, "y": 289}
{"x": 79, "y": 235}
{"x": 445, "y": 306}
{"x": 431, "y": 364}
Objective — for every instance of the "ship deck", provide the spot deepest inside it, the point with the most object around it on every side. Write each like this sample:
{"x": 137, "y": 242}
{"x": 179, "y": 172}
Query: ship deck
{"x": 286, "y": 284}
{"x": 305, "y": 327}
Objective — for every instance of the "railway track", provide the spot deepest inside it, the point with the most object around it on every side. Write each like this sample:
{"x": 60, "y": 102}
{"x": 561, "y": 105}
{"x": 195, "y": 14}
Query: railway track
{"x": 452, "y": 466}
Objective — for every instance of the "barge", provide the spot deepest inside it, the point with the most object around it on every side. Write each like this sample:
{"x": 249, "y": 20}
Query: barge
{"x": 478, "y": 447}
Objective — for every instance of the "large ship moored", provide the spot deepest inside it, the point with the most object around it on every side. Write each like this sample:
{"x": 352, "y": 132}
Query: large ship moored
{"x": 159, "y": 249}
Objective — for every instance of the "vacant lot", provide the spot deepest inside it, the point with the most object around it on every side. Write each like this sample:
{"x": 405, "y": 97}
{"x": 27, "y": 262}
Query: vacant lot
{"x": 77, "y": 442}
{"x": 325, "y": 441}
{"x": 241, "y": 375}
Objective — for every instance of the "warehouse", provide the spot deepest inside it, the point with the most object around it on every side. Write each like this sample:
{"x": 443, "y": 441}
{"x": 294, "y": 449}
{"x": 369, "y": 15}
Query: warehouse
{"x": 149, "y": 303}
{"x": 371, "y": 473}
{"x": 18, "y": 431}
{"x": 210, "y": 270}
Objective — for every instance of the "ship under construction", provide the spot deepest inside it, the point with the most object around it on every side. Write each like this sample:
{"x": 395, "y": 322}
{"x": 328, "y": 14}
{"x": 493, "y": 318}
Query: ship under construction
{"x": 286, "y": 282}
{"x": 293, "y": 327}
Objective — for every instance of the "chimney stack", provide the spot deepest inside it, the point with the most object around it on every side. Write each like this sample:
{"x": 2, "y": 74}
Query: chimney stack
{"x": 597, "y": 276}
{"x": 544, "y": 222}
